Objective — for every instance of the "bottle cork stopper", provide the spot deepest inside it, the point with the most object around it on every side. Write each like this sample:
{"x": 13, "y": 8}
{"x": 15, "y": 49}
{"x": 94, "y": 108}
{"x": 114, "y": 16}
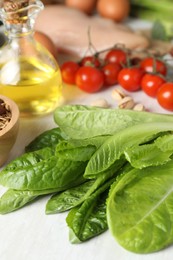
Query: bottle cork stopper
{"x": 12, "y": 8}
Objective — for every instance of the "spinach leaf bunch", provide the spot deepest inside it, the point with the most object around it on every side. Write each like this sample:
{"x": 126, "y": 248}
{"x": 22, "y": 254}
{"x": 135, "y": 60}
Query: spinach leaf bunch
{"x": 110, "y": 168}
{"x": 50, "y": 165}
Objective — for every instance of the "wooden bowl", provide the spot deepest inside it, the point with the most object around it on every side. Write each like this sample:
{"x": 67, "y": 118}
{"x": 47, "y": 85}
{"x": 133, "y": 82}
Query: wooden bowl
{"x": 9, "y": 133}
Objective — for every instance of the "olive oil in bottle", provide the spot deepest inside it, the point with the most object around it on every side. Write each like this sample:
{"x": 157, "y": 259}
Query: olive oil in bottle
{"x": 29, "y": 74}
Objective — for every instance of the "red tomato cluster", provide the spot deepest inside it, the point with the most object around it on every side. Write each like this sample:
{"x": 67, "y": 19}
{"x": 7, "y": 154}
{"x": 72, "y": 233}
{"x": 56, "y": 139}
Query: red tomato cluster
{"x": 92, "y": 74}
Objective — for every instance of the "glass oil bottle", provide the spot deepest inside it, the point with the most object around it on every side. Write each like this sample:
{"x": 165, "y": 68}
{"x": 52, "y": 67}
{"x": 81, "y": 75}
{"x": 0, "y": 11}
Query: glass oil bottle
{"x": 29, "y": 74}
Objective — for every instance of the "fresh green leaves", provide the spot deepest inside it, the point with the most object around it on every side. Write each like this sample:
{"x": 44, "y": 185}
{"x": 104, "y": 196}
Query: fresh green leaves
{"x": 49, "y": 138}
{"x": 139, "y": 209}
{"x": 92, "y": 150}
{"x": 158, "y": 12}
{"x": 67, "y": 199}
{"x": 75, "y": 196}
{"x": 158, "y": 31}
{"x": 15, "y": 199}
{"x": 81, "y": 122}
{"x": 48, "y": 174}
{"x": 42, "y": 170}
{"x": 47, "y": 170}
{"x": 75, "y": 152}
{"x": 114, "y": 147}
{"x": 89, "y": 220}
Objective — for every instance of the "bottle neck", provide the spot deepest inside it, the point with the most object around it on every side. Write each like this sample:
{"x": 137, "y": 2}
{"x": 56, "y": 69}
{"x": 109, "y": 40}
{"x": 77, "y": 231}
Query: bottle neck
{"x": 19, "y": 17}
{"x": 17, "y": 30}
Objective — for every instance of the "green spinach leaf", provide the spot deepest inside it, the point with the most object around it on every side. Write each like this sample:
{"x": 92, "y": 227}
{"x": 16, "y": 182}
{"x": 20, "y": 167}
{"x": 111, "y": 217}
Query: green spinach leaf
{"x": 152, "y": 154}
{"x": 74, "y": 152}
{"x": 81, "y": 122}
{"x": 42, "y": 169}
{"x": 114, "y": 147}
{"x": 29, "y": 159}
{"x": 67, "y": 199}
{"x": 139, "y": 208}
{"x": 88, "y": 220}
{"x": 47, "y": 139}
{"x": 12, "y": 200}
{"x": 147, "y": 155}
{"x": 75, "y": 196}
{"x": 53, "y": 173}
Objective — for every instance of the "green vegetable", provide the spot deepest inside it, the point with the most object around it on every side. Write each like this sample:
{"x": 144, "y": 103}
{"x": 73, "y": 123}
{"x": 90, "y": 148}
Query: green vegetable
{"x": 159, "y": 12}
{"x": 75, "y": 196}
{"x": 15, "y": 199}
{"x": 29, "y": 159}
{"x": 74, "y": 152}
{"x": 49, "y": 138}
{"x": 40, "y": 170}
{"x": 48, "y": 168}
{"x": 113, "y": 148}
{"x": 159, "y": 31}
{"x": 165, "y": 143}
{"x": 156, "y": 153}
{"x": 81, "y": 122}
{"x": 89, "y": 219}
{"x": 68, "y": 199}
{"x": 53, "y": 173}
{"x": 92, "y": 150}
{"x": 147, "y": 155}
{"x": 139, "y": 209}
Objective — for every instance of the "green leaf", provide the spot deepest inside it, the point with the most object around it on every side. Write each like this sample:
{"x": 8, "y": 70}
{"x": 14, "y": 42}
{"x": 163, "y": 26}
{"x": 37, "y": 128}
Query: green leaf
{"x": 42, "y": 170}
{"x": 47, "y": 139}
{"x": 147, "y": 155}
{"x": 165, "y": 143}
{"x": 158, "y": 31}
{"x": 139, "y": 209}
{"x": 75, "y": 196}
{"x": 113, "y": 148}
{"x": 47, "y": 174}
{"x": 81, "y": 122}
{"x": 89, "y": 220}
{"x": 153, "y": 154}
{"x": 74, "y": 152}
{"x": 68, "y": 199}
{"x": 30, "y": 159}
{"x": 12, "y": 200}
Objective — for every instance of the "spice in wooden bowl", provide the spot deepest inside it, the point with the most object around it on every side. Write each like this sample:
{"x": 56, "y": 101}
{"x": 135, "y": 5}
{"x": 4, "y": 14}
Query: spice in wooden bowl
{"x": 9, "y": 123}
{"x": 5, "y": 114}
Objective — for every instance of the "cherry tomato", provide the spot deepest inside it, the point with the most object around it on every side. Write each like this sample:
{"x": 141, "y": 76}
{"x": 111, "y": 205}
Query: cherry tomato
{"x": 165, "y": 96}
{"x": 90, "y": 60}
{"x": 116, "y": 56}
{"x": 130, "y": 78}
{"x": 150, "y": 84}
{"x": 68, "y": 72}
{"x": 152, "y": 65}
{"x": 89, "y": 79}
{"x": 111, "y": 72}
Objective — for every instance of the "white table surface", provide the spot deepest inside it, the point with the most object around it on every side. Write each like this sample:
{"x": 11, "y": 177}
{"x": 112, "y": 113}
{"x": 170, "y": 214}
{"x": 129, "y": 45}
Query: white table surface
{"x": 29, "y": 234}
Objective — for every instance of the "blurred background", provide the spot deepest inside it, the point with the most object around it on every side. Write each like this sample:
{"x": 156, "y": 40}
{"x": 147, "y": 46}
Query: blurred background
{"x": 148, "y": 10}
